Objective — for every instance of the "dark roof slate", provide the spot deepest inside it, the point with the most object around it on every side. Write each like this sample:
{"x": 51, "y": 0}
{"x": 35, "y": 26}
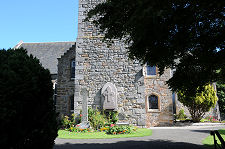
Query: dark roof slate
{"x": 48, "y": 52}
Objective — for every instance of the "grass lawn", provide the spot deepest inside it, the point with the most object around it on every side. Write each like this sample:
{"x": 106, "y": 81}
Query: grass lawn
{"x": 208, "y": 141}
{"x": 141, "y": 132}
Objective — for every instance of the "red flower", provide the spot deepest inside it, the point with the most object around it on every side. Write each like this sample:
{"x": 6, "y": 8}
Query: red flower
{"x": 112, "y": 125}
{"x": 80, "y": 115}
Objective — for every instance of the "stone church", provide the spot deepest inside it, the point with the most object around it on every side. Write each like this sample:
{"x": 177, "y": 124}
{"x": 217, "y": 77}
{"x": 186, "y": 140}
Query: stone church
{"x": 113, "y": 81}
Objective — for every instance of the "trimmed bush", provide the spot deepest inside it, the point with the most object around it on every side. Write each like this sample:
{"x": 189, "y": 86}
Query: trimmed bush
{"x": 27, "y": 114}
{"x": 200, "y": 103}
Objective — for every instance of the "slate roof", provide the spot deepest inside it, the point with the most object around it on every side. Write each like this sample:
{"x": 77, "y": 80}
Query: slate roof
{"x": 47, "y": 52}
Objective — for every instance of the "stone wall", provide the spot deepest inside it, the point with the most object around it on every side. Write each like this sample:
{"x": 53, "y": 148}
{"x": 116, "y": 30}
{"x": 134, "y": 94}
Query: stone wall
{"x": 102, "y": 65}
{"x": 98, "y": 63}
{"x": 65, "y": 85}
{"x": 156, "y": 86}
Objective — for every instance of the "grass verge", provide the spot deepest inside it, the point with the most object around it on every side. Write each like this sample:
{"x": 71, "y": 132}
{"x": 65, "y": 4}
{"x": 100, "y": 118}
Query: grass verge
{"x": 208, "y": 141}
{"x": 141, "y": 132}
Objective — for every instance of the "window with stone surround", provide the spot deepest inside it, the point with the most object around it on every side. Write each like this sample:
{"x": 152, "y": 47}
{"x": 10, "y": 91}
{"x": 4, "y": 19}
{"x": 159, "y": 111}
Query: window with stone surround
{"x": 149, "y": 71}
{"x": 72, "y": 68}
{"x": 71, "y": 103}
{"x": 153, "y": 103}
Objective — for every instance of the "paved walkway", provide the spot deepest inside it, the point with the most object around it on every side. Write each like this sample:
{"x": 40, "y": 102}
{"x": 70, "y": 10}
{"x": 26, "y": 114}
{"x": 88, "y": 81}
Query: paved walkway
{"x": 189, "y": 137}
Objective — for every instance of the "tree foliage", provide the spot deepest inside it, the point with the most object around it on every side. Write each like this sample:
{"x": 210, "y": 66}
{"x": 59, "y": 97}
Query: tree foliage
{"x": 27, "y": 114}
{"x": 182, "y": 34}
{"x": 199, "y": 104}
{"x": 221, "y": 96}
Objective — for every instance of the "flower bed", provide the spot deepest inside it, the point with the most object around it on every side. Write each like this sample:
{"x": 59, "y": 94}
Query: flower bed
{"x": 99, "y": 122}
{"x": 140, "y": 132}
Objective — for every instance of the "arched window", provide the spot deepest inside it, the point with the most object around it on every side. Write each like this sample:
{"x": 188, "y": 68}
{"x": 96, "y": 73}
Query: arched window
{"x": 153, "y": 102}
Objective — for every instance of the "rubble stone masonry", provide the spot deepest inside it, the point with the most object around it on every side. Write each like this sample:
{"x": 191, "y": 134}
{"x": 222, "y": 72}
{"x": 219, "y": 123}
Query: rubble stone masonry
{"x": 65, "y": 84}
{"x": 98, "y": 63}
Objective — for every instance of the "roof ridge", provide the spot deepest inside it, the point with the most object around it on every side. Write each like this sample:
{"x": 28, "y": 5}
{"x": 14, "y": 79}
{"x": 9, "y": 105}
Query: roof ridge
{"x": 50, "y": 42}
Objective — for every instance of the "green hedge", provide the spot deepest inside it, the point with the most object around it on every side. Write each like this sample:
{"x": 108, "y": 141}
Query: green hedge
{"x": 27, "y": 114}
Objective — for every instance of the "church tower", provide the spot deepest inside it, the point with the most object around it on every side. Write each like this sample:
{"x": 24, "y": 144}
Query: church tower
{"x": 115, "y": 82}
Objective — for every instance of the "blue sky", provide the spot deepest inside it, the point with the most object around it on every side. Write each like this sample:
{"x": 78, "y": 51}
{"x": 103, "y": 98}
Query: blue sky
{"x": 37, "y": 21}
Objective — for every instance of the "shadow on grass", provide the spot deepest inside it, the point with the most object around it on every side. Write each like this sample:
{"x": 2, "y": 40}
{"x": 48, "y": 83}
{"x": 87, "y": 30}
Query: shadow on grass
{"x": 151, "y": 144}
{"x": 222, "y": 132}
{"x": 209, "y": 143}
{"x": 211, "y": 146}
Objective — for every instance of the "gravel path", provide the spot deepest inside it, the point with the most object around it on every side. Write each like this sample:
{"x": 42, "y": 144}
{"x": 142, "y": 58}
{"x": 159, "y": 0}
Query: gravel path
{"x": 162, "y": 138}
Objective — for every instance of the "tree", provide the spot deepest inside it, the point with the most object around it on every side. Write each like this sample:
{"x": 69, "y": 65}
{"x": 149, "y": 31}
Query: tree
{"x": 221, "y": 96}
{"x": 199, "y": 104}
{"x": 181, "y": 34}
{"x": 27, "y": 114}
